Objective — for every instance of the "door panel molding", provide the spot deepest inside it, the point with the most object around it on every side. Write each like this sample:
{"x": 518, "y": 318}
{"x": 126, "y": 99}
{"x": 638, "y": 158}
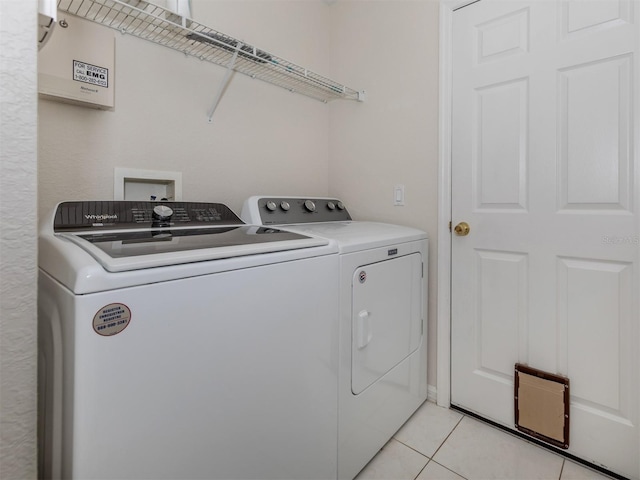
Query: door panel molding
{"x": 607, "y": 276}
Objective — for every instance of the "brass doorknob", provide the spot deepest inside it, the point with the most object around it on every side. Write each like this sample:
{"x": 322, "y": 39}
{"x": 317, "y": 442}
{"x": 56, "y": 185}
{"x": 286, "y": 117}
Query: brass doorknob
{"x": 462, "y": 229}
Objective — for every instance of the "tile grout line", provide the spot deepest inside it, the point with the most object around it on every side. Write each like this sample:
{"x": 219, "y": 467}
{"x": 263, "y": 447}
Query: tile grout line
{"x": 430, "y": 459}
{"x": 422, "y": 469}
{"x": 564, "y": 462}
{"x": 440, "y": 446}
{"x": 447, "y": 468}
{"x": 447, "y": 438}
{"x": 411, "y": 448}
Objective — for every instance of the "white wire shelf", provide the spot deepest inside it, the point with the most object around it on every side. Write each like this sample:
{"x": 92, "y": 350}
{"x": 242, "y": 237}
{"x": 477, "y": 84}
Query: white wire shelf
{"x": 164, "y": 27}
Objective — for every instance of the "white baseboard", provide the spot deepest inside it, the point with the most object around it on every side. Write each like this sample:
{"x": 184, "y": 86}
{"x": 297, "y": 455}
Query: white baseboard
{"x": 432, "y": 394}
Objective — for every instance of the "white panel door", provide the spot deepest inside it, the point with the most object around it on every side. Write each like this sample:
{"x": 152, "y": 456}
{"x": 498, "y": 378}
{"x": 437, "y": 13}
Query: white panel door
{"x": 544, "y": 170}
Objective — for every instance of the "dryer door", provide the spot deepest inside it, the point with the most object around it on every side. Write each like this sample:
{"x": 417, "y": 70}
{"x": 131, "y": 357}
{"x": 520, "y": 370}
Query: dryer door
{"x": 386, "y": 317}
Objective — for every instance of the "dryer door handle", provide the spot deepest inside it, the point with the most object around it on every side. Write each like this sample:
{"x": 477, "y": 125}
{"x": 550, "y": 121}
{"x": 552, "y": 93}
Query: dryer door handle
{"x": 363, "y": 326}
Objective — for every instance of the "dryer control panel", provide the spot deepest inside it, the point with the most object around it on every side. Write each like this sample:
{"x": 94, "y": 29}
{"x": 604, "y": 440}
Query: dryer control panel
{"x": 291, "y": 210}
{"x": 101, "y": 215}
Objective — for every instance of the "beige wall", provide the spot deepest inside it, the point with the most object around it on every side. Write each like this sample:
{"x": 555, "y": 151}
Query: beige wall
{"x": 264, "y": 139}
{"x": 390, "y": 49}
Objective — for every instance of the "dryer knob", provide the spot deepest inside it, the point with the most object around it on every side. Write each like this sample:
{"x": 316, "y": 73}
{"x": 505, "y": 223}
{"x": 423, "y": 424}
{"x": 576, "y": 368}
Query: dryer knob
{"x": 285, "y": 206}
{"x": 331, "y": 206}
{"x": 309, "y": 206}
{"x": 162, "y": 212}
{"x": 271, "y": 206}
{"x": 340, "y": 206}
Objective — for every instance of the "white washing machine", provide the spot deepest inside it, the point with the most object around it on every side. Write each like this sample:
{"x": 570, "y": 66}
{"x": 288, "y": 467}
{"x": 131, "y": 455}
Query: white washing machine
{"x": 177, "y": 342}
{"x": 383, "y": 347}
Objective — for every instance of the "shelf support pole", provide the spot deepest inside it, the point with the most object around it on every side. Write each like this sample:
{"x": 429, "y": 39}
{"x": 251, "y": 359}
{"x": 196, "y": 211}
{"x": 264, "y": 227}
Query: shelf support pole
{"x": 225, "y": 82}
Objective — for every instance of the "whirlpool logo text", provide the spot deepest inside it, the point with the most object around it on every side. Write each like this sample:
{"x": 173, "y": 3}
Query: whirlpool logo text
{"x": 106, "y": 216}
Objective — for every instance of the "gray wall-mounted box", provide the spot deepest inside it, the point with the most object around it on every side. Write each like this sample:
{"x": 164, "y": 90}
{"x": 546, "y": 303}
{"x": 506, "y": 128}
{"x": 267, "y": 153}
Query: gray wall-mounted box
{"x": 77, "y": 65}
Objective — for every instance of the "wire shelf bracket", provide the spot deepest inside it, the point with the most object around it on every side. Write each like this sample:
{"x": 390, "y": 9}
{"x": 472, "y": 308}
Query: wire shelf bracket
{"x": 224, "y": 83}
{"x": 164, "y": 27}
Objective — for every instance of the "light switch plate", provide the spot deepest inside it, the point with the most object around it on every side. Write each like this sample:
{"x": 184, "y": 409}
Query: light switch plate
{"x": 398, "y": 195}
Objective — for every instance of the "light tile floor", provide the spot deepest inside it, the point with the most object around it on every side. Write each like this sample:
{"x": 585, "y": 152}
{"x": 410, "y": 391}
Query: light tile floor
{"x": 441, "y": 444}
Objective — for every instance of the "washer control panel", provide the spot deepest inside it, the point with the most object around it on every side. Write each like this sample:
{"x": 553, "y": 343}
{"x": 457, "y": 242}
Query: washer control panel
{"x": 103, "y": 215}
{"x": 290, "y": 210}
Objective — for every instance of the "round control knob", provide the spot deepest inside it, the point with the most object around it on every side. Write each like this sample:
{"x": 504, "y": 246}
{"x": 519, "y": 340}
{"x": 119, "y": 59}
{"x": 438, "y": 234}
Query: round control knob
{"x": 285, "y": 206}
{"x": 310, "y": 206}
{"x": 340, "y": 206}
{"x": 271, "y": 206}
{"x": 331, "y": 206}
{"x": 162, "y": 212}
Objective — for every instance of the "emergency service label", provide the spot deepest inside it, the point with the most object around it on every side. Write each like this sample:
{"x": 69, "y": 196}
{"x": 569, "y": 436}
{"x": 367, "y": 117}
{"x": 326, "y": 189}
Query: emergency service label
{"x": 87, "y": 73}
{"x": 111, "y": 319}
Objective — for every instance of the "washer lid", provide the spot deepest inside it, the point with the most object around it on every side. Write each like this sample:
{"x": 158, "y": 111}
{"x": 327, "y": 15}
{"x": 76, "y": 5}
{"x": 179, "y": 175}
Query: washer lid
{"x": 125, "y": 236}
{"x": 121, "y": 251}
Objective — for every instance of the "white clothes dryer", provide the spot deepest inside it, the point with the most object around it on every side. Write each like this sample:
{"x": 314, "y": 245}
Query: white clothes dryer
{"x": 177, "y": 342}
{"x": 383, "y": 347}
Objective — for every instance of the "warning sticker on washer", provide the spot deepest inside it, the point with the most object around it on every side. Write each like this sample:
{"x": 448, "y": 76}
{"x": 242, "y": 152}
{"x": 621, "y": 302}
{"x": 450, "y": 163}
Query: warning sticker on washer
{"x": 111, "y": 319}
